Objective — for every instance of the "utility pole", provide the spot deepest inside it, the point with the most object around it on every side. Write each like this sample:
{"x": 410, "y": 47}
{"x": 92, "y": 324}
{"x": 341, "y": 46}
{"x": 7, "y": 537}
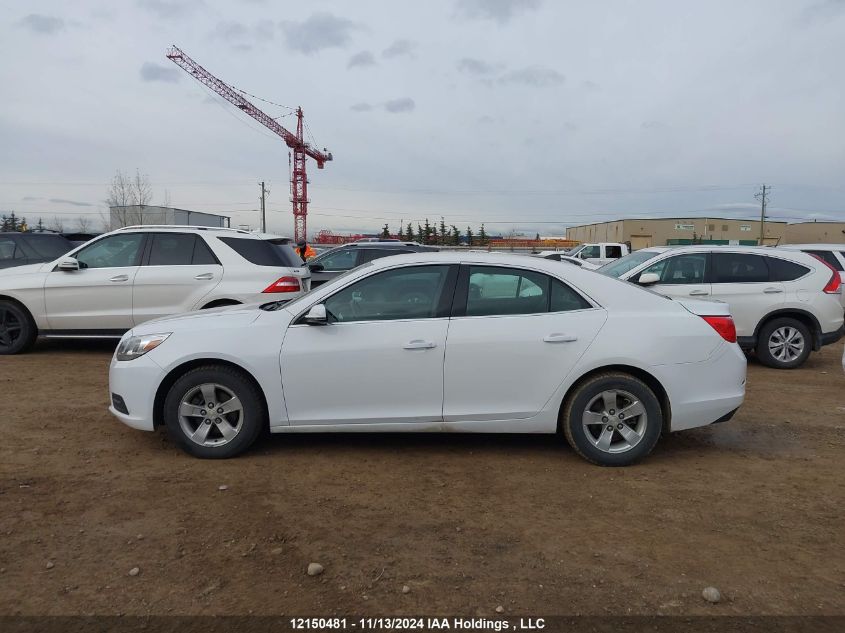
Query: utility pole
{"x": 264, "y": 192}
{"x": 763, "y": 197}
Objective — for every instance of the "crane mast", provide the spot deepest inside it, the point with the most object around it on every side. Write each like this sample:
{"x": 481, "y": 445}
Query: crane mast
{"x": 295, "y": 141}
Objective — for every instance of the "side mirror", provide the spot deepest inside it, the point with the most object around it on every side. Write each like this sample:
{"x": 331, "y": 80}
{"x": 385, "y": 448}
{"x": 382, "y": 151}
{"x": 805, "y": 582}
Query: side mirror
{"x": 316, "y": 268}
{"x": 68, "y": 264}
{"x": 648, "y": 279}
{"x": 317, "y": 315}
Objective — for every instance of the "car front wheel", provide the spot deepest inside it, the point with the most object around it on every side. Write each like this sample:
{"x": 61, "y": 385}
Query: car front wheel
{"x": 784, "y": 343}
{"x": 214, "y": 412}
{"x": 17, "y": 330}
{"x": 612, "y": 419}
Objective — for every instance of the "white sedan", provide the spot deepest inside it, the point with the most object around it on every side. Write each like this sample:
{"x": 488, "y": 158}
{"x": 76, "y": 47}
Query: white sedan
{"x": 468, "y": 342}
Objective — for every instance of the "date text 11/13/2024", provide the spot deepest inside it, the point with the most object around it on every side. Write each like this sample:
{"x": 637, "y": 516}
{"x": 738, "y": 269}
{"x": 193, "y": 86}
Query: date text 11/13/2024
{"x": 418, "y": 624}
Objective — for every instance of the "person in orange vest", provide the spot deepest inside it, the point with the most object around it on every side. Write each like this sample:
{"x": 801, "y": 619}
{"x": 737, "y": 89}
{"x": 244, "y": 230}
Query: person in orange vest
{"x": 305, "y": 251}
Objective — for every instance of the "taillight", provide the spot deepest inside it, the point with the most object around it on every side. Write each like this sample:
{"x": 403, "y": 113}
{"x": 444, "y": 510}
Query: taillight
{"x": 834, "y": 285}
{"x": 284, "y": 284}
{"x": 724, "y": 325}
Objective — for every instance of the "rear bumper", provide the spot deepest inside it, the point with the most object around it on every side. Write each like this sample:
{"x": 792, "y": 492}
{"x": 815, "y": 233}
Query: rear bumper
{"x": 827, "y": 338}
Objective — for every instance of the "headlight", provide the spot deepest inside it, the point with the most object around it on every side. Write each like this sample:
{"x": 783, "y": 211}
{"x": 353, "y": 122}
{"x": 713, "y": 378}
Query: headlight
{"x": 136, "y": 346}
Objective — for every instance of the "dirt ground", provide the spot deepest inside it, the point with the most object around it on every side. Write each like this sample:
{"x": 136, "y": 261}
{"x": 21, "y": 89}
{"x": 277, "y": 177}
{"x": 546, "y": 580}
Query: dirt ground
{"x": 753, "y": 507}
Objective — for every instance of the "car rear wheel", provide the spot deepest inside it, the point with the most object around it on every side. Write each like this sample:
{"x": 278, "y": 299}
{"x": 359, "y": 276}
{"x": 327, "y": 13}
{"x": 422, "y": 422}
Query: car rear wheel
{"x": 17, "y": 329}
{"x": 214, "y": 412}
{"x": 612, "y": 419}
{"x": 784, "y": 343}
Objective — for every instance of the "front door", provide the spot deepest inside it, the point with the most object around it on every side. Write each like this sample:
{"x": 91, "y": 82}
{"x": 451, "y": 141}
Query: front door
{"x": 514, "y": 337}
{"x": 380, "y": 358}
{"x": 681, "y": 276}
{"x": 97, "y": 298}
{"x": 180, "y": 270}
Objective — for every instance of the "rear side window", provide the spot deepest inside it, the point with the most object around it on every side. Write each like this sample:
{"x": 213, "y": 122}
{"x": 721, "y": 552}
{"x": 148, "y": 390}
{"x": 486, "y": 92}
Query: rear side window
{"x": 49, "y": 246}
{"x": 202, "y": 254}
{"x": 739, "y": 268}
{"x": 828, "y": 257}
{"x": 286, "y": 252}
{"x": 783, "y": 270}
{"x": 258, "y": 252}
{"x": 171, "y": 249}
{"x": 565, "y": 298}
{"x": 613, "y": 252}
{"x": 509, "y": 291}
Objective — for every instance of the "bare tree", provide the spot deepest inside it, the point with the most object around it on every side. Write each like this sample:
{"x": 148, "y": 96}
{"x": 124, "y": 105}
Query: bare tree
{"x": 127, "y": 196}
{"x": 165, "y": 202}
{"x": 83, "y": 224}
{"x": 58, "y": 224}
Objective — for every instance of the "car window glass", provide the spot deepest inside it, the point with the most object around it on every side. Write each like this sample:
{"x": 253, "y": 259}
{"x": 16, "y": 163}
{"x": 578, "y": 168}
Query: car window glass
{"x": 739, "y": 268}
{"x": 625, "y": 264}
{"x": 255, "y": 251}
{"x": 341, "y": 259}
{"x": 202, "y": 254}
{"x": 783, "y": 270}
{"x": 286, "y": 252}
{"x": 613, "y": 251}
{"x": 369, "y": 254}
{"x": 412, "y": 292}
{"x": 9, "y": 250}
{"x": 49, "y": 246}
{"x": 112, "y": 252}
{"x": 681, "y": 269}
{"x": 565, "y": 298}
{"x": 494, "y": 291}
{"x": 590, "y": 252}
{"x": 172, "y": 249}
{"x": 828, "y": 257}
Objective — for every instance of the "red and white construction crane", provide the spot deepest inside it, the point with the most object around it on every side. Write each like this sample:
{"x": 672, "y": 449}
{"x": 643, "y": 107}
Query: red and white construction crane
{"x": 296, "y": 142}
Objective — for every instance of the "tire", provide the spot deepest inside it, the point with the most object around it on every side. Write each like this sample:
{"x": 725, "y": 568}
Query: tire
{"x": 586, "y": 419}
{"x": 219, "y": 435}
{"x": 17, "y": 329}
{"x": 784, "y": 343}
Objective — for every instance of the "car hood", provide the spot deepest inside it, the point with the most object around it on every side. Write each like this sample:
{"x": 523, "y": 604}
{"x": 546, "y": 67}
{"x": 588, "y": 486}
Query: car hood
{"x": 212, "y": 318}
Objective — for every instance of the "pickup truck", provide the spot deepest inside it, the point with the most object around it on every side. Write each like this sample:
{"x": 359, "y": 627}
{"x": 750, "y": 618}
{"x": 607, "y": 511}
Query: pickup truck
{"x": 599, "y": 253}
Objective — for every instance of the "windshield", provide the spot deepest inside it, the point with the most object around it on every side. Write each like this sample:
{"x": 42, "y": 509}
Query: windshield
{"x": 619, "y": 267}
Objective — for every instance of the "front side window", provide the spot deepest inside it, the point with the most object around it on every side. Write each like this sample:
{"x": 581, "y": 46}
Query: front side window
{"x": 340, "y": 259}
{"x": 681, "y": 269}
{"x": 590, "y": 252}
{"x": 413, "y": 292}
{"x": 508, "y": 291}
{"x": 739, "y": 268}
{"x": 115, "y": 251}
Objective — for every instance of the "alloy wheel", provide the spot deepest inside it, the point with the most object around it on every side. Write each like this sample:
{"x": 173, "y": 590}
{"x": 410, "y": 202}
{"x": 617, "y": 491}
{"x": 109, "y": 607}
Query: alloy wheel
{"x": 10, "y": 327}
{"x": 210, "y": 414}
{"x": 786, "y": 344}
{"x": 615, "y": 421}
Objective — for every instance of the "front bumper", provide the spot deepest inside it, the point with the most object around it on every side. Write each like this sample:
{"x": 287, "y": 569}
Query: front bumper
{"x": 135, "y": 382}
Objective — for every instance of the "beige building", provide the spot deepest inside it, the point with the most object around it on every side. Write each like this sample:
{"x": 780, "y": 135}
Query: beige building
{"x": 645, "y": 232}
{"x": 815, "y": 233}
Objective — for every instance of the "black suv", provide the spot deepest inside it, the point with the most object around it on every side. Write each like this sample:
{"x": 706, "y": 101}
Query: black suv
{"x": 330, "y": 264}
{"x": 17, "y": 249}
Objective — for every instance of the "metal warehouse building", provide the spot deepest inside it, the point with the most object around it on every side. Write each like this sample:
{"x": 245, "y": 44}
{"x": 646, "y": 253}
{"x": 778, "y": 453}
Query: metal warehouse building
{"x": 645, "y": 232}
{"x": 146, "y": 214}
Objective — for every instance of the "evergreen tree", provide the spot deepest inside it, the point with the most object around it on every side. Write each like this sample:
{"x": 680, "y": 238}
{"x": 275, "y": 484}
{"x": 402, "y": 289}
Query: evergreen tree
{"x": 456, "y": 236}
{"x": 443, "y": 231}
{"x": 40, "y": 225}
{"x": 400, "y": 235}
{"x": 385, "y": 232}
{"x": 420, "y": 234}
{"x": 482, "y": 235}
{"x": 427, "y": 230}
{"x": 435, "y": 239}
{"x": 409, "y": 234}
{"x": 469, "y": 236}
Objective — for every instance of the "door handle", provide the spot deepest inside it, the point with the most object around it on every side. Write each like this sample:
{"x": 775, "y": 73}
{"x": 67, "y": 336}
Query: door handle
{"x": 419, "y": 344}
{"x": 559, "y": 338}
{"x": 698, "y": 293}
{"x": 771, "y": 291}
{"x": 205, "y": 276}
{"x": 120, "y": 278}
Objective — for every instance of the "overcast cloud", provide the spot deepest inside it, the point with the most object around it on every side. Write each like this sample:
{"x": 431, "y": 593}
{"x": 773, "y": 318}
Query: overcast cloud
{"x": 526, "y": 114}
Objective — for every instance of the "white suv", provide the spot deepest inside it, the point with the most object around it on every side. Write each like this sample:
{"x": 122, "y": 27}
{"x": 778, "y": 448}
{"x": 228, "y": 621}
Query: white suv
{"x": 784, "y": 303}
{"x": 833, "y": 254}
{"x": 121, "y": 279}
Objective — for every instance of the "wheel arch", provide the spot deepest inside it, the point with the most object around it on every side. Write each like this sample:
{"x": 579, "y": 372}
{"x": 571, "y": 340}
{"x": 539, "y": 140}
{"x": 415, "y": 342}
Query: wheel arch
{"x": 653, "y": 383}
{"x": 798, "y": 314}
{"x": 22, "y": 306}
{"x": 174, "y": 374}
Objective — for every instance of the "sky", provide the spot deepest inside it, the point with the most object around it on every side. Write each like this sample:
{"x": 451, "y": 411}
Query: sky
{"x": 526, "y": 115}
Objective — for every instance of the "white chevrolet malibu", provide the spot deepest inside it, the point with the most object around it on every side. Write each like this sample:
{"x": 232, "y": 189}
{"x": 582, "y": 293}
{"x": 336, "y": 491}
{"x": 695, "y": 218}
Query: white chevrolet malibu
{"x": 468, "y": 342}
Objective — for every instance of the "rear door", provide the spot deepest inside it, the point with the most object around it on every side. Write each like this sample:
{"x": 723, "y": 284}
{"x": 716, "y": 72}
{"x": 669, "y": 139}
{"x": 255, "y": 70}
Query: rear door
{"x": 681, "y": 276}
{"x": 97, "y": 298}
{"x": 514, "y": 336}
{"x": 179, "y": 269}
{"x": 742, "y": 281}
